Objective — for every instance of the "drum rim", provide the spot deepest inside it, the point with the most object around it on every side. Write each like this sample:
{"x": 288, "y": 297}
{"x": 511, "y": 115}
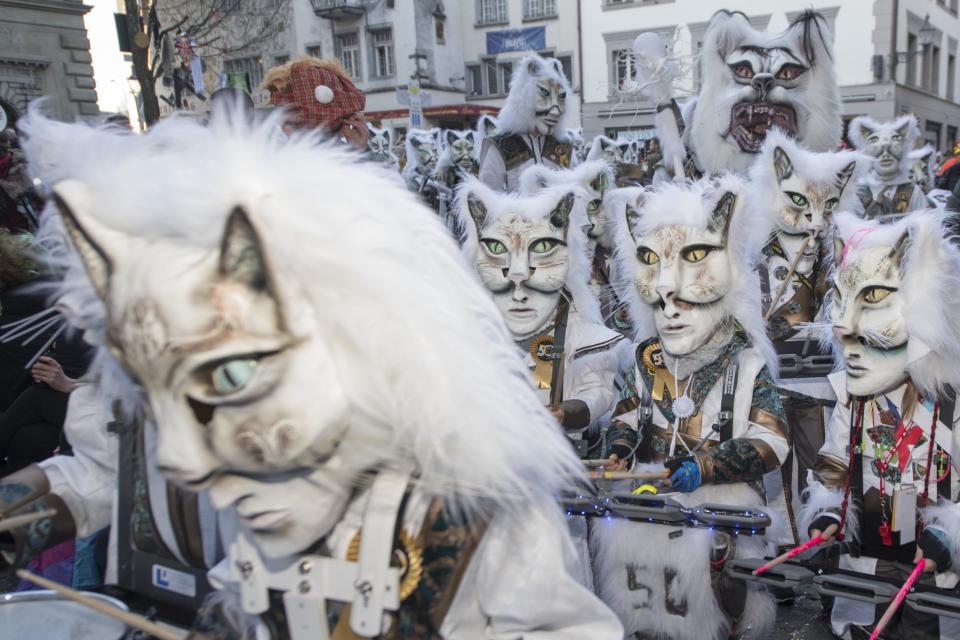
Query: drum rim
{"x": 46, "y": 595}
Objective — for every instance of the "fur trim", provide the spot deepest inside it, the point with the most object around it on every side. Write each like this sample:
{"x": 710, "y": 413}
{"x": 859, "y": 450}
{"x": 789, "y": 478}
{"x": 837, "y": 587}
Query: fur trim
{"x": 817, "y": 500}
{"x": 930, "y": 279}
{"x": 599, "y": 142}
{"x": 443, "y": 374}
{"x": 945, "y": 517}
{"x": 517, "y": 114}
{"x": 691, "y": 204}
{"x": 535, "y": 206}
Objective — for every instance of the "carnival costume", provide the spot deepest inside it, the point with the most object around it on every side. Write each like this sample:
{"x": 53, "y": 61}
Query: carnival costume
{"x": 700, "y": 399}
{"x": 360, "y": 461}
{"x": 797, "y": 191}
{"x": 887, "y": 475}
{"x": 530, "y": 125}
{"x": 890, "y": 190}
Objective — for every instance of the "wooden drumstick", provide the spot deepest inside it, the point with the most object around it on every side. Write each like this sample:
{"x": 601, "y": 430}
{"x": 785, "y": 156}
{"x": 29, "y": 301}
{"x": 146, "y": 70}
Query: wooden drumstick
{"x": 626, "y": 475}
{"x": 786, "y": 281}
{"x": 130, "y": 619}
{"x": 13, "y": 522}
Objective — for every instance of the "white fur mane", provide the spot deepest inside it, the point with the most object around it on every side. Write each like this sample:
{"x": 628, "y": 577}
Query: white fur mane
{"x": 417, "y": 341}
{"x": 930, "y": 279}
{"x": 691, "y": 204}
{"x": 518, "y": 113}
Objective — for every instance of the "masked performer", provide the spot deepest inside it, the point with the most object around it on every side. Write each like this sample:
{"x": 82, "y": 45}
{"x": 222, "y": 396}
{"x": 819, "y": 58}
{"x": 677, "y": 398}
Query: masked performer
{"x": 886, "y": 474}
{"x": 530, "y": 125}
{"x": 753, "y": 81}
{"x": 702, "y": 401}
{"x": 458, "y": 158}
{"x": 595, "y": 178}
{"x": 278, "y": 389}
{"x": 419, "y": 172}
{"x": 318, "y": 94}
{"x": 621, "y": 156}
{"x": 890, "y": 190}
{"x": 531, "y": 253}
{"x": 798, "y": 191}
{"x": 380, "y": 146}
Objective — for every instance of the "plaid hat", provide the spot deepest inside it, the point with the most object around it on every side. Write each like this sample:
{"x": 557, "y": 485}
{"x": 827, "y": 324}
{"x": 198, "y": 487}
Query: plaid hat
{"x": 315, "y": 91}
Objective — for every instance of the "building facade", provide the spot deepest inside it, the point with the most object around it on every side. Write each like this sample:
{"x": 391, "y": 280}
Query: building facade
{"x": 497, "y": 34}
{"x": 884, "y": 67}
{"x": 44, "y": 51}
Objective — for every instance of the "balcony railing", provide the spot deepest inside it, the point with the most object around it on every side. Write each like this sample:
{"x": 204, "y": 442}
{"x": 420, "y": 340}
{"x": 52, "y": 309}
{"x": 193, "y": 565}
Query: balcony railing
{"x": 339, "y": 9}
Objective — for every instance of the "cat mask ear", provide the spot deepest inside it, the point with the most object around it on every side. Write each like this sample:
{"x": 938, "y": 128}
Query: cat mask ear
{"x": 560, "y": 216}
{"x": 478, "y": 210}
{"x": 722, "y": 214}
{"x": 844, "y": 175}
{"x": 781, "y": 164}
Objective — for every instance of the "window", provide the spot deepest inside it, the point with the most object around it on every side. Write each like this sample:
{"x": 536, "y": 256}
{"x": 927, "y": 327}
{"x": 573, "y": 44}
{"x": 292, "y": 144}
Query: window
{"x": 935, "y": 70}
{"x": 493, "y": 77}
{"x": 951, "y": 137}
{"x": 566, "y": 63}
{"x": 491, "y": 11}
{"x": 539, "y": 9}
{"x": 912, "y": 59}
{"x": 931, "y": 133}
{"x": 347, "y": 47}
{"x": 951, "y": 76}
{"x": 616, "y": 2}
{"x": 315, "y": 51}
{"x": 622, "y": 66}
{"x": 506, "y": 73}
{"x": 383, "y": 58}
{"x": 953, "y": 7}
{"x": 280, "y": 59}
{"x": 250, "y": 66}
{"x": 439, "y": 25}
{"x": 474, "y": 80}
{"x": 926, "y": 66}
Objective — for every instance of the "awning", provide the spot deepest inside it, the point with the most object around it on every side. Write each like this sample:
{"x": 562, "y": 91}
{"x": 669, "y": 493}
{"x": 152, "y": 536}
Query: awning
{"x": 446, "y": 110}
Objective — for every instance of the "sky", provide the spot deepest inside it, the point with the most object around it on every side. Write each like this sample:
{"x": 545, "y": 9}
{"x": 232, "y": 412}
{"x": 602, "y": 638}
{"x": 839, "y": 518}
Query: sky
{"x": 111, "y": 73}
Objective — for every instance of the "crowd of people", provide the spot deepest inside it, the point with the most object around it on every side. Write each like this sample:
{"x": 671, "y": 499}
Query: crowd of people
{"x": 324, "y": 381}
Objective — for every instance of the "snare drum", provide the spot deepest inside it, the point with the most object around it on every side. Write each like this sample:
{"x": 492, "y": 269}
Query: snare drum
{"x": 46, "y": 615}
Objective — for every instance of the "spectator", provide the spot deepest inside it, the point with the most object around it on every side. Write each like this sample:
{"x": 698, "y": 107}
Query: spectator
{"x": 19, "y": 204}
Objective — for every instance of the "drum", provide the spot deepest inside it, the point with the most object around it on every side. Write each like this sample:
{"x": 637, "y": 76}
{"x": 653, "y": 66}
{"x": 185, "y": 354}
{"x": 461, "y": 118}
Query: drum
{"x": 46, "y": 615}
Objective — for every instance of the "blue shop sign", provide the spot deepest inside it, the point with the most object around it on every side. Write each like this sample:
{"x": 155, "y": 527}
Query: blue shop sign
{"x": 533, "y": 38}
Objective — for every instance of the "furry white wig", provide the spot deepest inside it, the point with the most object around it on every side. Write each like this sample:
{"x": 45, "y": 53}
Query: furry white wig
{"x": 518, "y": 113}
{"x": 815, "y": 98}
{"x": 416, "y": 340}
{"x": 818, "y": 500}
{"x": 538, "y": 177}
{"x": 538, "y": 205}
{"x": 692, "y": 204}
{"x": 814, "y": 167}
{"x": 930, "y": 278}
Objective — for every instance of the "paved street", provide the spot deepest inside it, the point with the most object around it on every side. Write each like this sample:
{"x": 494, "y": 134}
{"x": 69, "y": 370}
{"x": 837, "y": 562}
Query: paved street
{"x": 802, "y": 621}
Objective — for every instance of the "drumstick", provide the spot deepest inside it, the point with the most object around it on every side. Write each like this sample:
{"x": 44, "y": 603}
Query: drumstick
{"x": 792, "y": 553}
{"x": 18, "y": 521}
{"x": 130, "y": 619}
{"x": 786, "y": 281}
{"x": 898, "y": 599}
{"x": 626, "y": 475}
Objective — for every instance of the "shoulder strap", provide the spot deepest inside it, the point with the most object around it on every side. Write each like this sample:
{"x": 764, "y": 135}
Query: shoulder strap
{"x": 559, "y": 348}
{"x": 725, "y": 419}
{"x": 948, "y": 406}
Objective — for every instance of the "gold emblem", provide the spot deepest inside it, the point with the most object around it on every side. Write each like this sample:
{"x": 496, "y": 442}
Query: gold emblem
{"x": 541, "y": 350}
{"x": 408, "y": 558}
{"x": 563, "y": 155}
{"x": 652, "y": 357}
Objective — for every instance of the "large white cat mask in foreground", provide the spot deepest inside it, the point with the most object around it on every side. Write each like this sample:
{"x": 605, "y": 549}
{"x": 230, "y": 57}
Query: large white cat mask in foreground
{"x": 692, "y": 276}
{"x": 261, "y": 358}
{"x": 894, "y": 304}
{"x": 754, "y": 81}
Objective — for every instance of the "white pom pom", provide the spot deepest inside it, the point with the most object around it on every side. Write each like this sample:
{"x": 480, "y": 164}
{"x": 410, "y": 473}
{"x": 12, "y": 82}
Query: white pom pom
{"x": 683, "y": 407}
{"x": 324, "y": 94}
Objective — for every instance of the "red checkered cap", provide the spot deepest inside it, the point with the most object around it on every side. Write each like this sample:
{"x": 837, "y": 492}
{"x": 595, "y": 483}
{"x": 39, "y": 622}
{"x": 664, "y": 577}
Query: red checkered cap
{"x": 300, "y": 97}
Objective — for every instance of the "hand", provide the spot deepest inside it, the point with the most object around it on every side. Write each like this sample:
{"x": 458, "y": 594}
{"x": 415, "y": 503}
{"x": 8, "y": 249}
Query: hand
{"x": 49, "y": 371}
{"x": 556, "y": 412}
{"x": 928, "y": 564}
{"x": 354, "y": 129}
{"x": 614, "y": 463}
{"x": 828, "y": 534}
{"x": 686, "y": 478}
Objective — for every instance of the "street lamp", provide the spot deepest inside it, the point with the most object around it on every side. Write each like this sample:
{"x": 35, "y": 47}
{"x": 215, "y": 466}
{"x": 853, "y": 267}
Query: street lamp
{"x": 925, "y": 35}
